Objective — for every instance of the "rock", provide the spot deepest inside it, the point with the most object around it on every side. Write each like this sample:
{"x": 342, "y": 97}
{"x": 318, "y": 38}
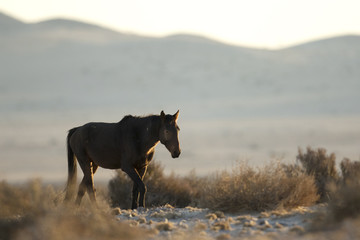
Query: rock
{"x": 265, "y": 215}
{"x": 250, "y": 223}
{"x": 115, "y": 211}
{"x": 168, "y": 206}
{"x": 231, "y": 220}
{"x": 279, "y": 225}
{"x": 166, "y": 214}
{"x": 211, "y": 216}
{"x": 164, "y": 226}
{"x": 132, "y": 223}
{"x": 265, "y": 224}
{"x": 142, "y": 220}
{"x": 219, "y": 214}
{"x": 182, "y": 224}
{"x": 200, "y": 226}
{"x": 297, "y": 229}
{"x": 221, "y": 225}
{"x": 191, "y": 209}
{"x": 244, "y": 218}
{"x": 223, "y": 236}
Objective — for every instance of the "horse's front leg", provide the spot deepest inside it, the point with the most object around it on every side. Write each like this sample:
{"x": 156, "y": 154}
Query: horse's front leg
{"x": 139, "y": 186}
{"x": 135, "y": 197}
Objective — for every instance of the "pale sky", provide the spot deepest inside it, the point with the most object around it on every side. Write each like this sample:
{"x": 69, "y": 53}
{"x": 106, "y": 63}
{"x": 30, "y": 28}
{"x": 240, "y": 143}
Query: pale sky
{"x": 252, "y": 23}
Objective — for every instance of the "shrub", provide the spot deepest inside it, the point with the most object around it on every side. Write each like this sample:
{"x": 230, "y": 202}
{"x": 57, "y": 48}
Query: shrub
{"x": 345, "y": 195}
{"x": 345, "y": 201}
{"x": 120, "y": 188}
{"x": 320, "y": 165}
{"x": 269, "y": 187}
{"x": 245, "y": 188}
{"x": 174, "y": 190}
{"x": 350, "y": 170}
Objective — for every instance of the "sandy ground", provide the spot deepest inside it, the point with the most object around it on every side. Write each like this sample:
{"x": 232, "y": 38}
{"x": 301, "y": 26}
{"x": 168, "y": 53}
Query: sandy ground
{"x": 168, "y": 222}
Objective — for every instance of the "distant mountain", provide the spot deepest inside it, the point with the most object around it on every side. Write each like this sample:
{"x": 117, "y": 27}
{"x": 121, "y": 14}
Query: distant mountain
{"x": 9, "y": 24}
{"x": 62, "y": 30}
{"x": 349, "y": 41}
{"x": 319, "y": 77}
{"x": 67, "y": 23}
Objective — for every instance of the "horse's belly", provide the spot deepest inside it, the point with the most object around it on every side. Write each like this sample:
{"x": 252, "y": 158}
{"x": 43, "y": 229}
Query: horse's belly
{"x": 112, "y": 161}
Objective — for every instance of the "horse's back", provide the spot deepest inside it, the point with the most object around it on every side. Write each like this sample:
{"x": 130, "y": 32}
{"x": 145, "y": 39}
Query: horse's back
{"x": 93, "y": 131}
{"x": 97, "y": 140}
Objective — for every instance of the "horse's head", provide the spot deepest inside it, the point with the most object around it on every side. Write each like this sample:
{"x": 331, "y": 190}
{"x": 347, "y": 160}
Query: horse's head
{"x": 169, "y": 133}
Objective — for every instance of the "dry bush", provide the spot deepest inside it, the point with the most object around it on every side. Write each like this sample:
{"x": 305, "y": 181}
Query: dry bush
{"x": 345, "y": 201}
{"x": 345, "y": 196}
{"x": 350, "y": 170}
{"x": 244, "y": 188}
{"x": 35, "y": 211}
{"x": 269, "y": 187}
{"x": 174, "y": 190}
{"x": 322, "y": 166}
{"x": 120, "y": 188}
{"x": 343, "y": 206}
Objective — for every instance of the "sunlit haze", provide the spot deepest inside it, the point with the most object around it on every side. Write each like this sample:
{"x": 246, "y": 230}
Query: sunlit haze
{"x": 259, "y": 23}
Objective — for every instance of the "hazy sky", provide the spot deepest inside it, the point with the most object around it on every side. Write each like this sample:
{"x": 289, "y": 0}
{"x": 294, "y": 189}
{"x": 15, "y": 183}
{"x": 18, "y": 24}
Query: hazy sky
{"x": 255, "y": 23}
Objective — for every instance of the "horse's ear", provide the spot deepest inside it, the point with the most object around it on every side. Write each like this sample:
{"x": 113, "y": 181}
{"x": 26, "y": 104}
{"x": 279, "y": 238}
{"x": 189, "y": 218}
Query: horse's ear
{"x": 162, "y": 116}
{"x": 176, "y": 116}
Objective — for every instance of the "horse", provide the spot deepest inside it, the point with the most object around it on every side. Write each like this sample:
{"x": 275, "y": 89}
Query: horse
{"x": 128, "y": 145}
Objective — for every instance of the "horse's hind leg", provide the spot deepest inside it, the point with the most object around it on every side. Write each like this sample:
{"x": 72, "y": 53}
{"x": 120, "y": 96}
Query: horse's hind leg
{"x": 87, "y": 182}
{"x": 81, "y": 192}
{"x": 90, "y": 187}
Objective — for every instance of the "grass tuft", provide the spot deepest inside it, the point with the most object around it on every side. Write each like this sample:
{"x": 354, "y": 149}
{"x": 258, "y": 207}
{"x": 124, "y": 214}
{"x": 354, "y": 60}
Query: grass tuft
{"x": 35, "y": 211}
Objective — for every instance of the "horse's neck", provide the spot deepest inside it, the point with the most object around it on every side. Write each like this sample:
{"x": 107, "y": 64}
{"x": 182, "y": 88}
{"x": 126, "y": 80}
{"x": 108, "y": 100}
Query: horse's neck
{"x": 151, "y": 132}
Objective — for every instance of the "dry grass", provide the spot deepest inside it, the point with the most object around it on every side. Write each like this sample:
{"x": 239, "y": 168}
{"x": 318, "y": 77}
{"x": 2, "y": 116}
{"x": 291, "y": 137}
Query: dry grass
{"x": 245, "y": 188}
{"x": 29, "y": 198}
{"x": 265, "y": 188}
{"x": 322, "y": 166}
{"x": 35, "y": 211}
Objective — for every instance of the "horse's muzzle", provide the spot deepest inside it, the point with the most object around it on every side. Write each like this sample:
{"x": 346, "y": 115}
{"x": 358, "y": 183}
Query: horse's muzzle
{"x": 176, "y": 154}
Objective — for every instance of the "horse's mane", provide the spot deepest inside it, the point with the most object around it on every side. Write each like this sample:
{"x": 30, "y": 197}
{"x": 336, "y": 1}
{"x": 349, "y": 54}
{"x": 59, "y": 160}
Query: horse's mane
{"x": 127, "y": 117}
{"x": 134, "y": 118}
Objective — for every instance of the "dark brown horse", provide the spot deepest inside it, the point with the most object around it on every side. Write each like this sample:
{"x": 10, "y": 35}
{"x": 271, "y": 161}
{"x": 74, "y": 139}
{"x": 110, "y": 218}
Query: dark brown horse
{"x": 128, "y": 145}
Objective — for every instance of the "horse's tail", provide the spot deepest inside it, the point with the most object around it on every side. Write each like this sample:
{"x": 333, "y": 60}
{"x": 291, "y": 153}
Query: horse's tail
{"x": 70, "y": 187}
